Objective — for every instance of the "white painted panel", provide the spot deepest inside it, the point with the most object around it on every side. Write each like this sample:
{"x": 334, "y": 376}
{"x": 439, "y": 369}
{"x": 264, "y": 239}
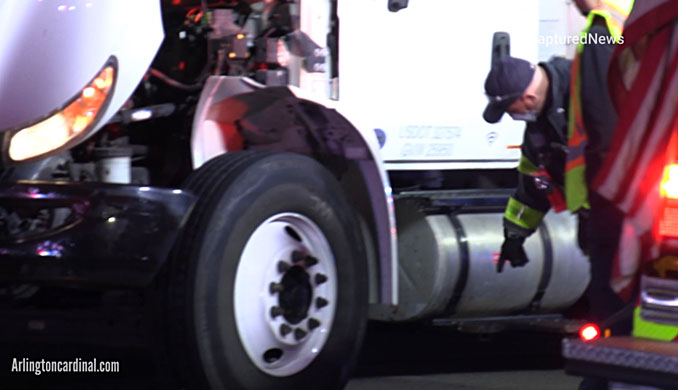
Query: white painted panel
{"x": 558, "y": 20}
{"x": 52, "y": 49}
{"x": 418, "y": 75}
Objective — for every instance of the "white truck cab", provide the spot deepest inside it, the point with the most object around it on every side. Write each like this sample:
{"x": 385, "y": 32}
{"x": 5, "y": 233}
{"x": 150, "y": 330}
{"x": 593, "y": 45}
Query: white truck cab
{"x": 297, "y": 166}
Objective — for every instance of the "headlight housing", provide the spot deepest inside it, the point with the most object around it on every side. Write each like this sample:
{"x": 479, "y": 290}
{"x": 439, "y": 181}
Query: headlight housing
{"x": 66, "y": 126}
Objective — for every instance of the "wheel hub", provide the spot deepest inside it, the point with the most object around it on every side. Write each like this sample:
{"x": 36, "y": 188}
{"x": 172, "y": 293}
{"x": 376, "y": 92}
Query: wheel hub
{"x": 296, "y": 295}
{"x": 285, "y": 294}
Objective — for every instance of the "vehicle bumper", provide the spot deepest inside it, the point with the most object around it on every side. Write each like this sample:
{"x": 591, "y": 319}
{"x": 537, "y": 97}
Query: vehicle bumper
{"x": 111, "y": 234}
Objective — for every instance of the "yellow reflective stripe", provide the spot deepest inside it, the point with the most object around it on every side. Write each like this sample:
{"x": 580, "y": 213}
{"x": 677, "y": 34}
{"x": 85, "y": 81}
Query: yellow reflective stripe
{"x": 526, "y": 166}
{"x": 613, "y": 24}
{"x": 576, "y": 190}
{"x": 651, "y": 330}
{"x": 617, "y": 12}
{"x": 619, "y": 7}
{"x": 522, "y": 214}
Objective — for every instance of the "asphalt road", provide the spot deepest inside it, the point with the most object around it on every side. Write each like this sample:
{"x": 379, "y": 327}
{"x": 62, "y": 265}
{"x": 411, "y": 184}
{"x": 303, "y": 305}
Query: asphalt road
{"x": 393, "y": 358}
{"x": 502, "y": 380}
{"x": 436, "y": 358}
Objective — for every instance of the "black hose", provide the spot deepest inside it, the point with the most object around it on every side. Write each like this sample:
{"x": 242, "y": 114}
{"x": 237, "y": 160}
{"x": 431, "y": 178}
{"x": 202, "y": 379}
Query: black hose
{"x": 174, "y": 83}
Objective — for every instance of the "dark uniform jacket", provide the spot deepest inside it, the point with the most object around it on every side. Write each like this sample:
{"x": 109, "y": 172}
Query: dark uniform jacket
{"x": 598, "y": 112}
{"x": 544, "y": 146}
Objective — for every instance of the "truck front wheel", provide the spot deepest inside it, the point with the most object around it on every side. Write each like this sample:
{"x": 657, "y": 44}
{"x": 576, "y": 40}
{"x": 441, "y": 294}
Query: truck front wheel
{"x": 267, "y": 287}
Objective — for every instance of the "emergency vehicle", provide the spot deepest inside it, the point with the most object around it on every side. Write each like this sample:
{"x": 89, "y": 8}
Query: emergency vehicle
{"x": 649, "y": 356}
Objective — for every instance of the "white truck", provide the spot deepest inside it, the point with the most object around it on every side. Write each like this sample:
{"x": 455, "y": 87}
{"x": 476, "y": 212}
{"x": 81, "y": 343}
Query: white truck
{"x": 271, "y": 174}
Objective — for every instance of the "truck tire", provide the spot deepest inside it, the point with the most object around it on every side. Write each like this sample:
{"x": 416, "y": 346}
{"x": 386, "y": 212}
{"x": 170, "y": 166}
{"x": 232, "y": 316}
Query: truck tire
{"x": 267, "y": 287}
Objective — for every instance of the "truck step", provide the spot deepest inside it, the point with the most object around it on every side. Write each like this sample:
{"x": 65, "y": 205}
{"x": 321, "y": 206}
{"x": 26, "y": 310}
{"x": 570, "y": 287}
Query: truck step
{"x": 481, "y": 198}
{"x": 624, "y": 359}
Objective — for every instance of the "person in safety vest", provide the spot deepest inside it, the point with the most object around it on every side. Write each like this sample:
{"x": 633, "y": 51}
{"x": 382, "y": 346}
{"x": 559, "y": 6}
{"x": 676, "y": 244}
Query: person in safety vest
{"x": 539, "y": 95}
{"x": 591, "y": 126}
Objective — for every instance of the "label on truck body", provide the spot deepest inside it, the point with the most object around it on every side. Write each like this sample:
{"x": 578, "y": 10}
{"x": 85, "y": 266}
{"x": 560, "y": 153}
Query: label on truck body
{"x": 418, "y": 75}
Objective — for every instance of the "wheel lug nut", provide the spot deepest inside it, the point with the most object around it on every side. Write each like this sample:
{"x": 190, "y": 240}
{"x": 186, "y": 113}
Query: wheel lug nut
{"x": 275, "y": 287}
{"x": 298, "y": 256}
{"x": 283, "y": 266}
{"x": 285, "y": 330}
{"x": 311, "y": 261}
{"x": 320, "y": 302}
{"x": 299, "y": 334}
{"x": 313, "y": 323}
{"x": 276, "y": 311}
{"x": 320, "y": 279}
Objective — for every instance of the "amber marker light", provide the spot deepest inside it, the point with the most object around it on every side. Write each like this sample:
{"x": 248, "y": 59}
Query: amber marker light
{"x": 64, "y": 125}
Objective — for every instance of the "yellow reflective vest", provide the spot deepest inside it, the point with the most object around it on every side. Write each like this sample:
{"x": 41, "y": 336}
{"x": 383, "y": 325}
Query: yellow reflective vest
{"x": 615, "y": 13}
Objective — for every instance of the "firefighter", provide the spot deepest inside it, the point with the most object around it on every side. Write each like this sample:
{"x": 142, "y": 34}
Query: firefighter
{"x": 591, "y": 127}
{"x": 592, "y": 123}
{"x": 538, "y": 95}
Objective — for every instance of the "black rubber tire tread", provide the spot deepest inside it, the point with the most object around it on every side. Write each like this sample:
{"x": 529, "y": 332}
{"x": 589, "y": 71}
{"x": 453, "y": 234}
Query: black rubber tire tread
{"x": 207, "y": 183}
{"x": 202, "y": 184}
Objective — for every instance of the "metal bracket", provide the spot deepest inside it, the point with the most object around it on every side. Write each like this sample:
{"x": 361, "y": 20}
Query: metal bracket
{"x": 501, "y": 46}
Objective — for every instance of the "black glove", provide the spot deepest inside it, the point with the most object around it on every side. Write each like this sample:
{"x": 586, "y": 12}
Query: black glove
{"x": 513, "y": 252}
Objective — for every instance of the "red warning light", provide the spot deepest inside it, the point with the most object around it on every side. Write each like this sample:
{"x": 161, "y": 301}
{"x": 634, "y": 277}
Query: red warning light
{"x": 589, "y": 332}
{"x": 668, "y": 218}
{"x": 669, "y": 184}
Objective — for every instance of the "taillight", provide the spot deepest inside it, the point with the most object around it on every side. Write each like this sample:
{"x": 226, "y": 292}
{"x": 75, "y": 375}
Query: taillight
{"x": 589, "y": 332}
{"x": 668, "y": 221}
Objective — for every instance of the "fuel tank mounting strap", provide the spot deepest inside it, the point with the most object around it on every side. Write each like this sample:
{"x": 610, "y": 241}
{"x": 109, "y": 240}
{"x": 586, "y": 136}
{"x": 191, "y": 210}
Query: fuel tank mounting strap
{"x": 548, "y": 267}
{"x": 464, "y": 259}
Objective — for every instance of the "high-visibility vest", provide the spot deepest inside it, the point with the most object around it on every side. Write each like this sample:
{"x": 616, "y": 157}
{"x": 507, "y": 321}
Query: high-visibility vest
{"x": 615, "y": 13}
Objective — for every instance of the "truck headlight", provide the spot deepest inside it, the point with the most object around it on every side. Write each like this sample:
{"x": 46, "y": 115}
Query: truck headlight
{"x": 68, "y": 124}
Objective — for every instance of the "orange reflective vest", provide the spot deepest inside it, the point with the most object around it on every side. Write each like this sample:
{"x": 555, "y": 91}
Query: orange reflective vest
{"x": 615, "y": 13}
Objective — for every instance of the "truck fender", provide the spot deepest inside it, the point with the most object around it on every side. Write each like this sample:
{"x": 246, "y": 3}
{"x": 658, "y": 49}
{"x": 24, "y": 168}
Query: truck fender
{"x": 236, "y": 113}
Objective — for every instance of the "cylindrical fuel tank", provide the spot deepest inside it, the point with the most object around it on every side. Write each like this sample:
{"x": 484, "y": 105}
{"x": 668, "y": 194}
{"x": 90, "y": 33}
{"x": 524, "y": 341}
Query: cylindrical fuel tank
{"x": 448, "y": 266}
